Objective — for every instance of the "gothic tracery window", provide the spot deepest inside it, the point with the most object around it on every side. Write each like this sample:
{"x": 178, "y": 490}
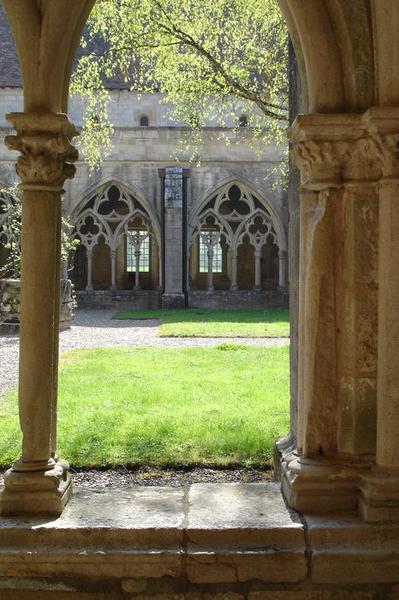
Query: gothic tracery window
{"x": 137, "y": 240}
{"x": 235, "y": 219}
{"x": 217, "y": 262}
{"x": 115, "y": 219}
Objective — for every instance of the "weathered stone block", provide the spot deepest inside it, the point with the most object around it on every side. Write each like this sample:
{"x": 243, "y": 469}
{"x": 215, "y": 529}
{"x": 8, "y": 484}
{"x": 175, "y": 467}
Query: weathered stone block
{"x": 214, "y": 596}
{"x": 313, "y": 595}
{"x": 134, "y": 585}
{"x": 56, "y": 595}
{"x": 204, "y": 568}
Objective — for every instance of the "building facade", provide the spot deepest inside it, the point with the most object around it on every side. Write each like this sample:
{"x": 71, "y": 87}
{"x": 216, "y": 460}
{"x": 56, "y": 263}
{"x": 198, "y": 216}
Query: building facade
{"x": 156, "y": 232}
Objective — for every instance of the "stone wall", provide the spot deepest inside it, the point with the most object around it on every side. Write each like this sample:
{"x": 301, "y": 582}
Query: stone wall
{"x": 201, "y": 542}
{"x": 138, "y": 157}
{"x": 238, "y": 299}
{"x": 120, "y": 300}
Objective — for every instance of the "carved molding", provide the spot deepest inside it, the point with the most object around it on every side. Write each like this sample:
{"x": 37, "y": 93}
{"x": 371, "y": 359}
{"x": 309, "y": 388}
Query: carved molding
{"x": 338, "y": 161}
{"x": 330, "y": 150}
{"x": 44, "y": 141}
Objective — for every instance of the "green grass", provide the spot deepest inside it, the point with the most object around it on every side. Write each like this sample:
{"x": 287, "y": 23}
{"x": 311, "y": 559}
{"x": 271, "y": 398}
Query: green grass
{"x": 216, "y": 323}
{"x": 149, "y": 406}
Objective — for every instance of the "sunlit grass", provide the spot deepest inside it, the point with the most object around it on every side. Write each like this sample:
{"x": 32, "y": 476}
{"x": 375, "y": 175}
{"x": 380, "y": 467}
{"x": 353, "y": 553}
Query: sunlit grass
{"x": 216, "y": 323}
{"x": 150, "y": 406}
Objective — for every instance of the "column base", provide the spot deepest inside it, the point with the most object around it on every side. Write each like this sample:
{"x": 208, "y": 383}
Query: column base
{"x": 173, "y": 301}
{"x": 379, "y": 496}
{"x": 36, "y": 492}
{"x": 320, "y": 485}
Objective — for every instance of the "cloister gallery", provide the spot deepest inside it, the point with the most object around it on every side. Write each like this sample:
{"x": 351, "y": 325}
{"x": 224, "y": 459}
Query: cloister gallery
{"x": 140, "y": 205}
{"x": 339, "y": 465}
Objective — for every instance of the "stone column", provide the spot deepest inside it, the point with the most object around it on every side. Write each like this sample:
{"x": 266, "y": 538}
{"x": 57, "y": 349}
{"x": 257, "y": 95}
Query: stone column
{"x": 160, "y": 283}
{"x": 282, "y": 269}
{"x": 340, "y": 168}
{"x": 233, "y": 285}
{"x": 210, "y": 269}
{"x": 38, "y": 482}
{"x": 113, "y": 270}
{"x": 380, "y": 488}
{"x": 258, "y": 256}
{"x": 388, "y": 384}
{"x": 89, "y": 254}
{"x": 137, "y": 285}
{"x": 173, "y": 295}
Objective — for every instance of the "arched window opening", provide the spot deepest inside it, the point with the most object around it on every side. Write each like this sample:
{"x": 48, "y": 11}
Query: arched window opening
{"x": 243, "y": 121}
{"x": 137, "y": 242}
{"x": 234, "y": 244}
{"x": 217, "y": 262}
{"x": 122, "y": 250}
{"x": 144, "y": 121}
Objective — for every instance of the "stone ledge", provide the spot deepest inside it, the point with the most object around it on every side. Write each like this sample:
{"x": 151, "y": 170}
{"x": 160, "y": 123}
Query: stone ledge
{"x": 244, "y": 529}
{"x": 207, "y": 541}
{"x": 347, "y": 550}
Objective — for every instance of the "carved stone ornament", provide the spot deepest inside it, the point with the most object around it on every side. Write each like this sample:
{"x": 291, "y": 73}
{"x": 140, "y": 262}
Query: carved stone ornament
{"x": 333, "y": 149}
{"x": 43, "y": 139}
{"x": 337, "y": 161}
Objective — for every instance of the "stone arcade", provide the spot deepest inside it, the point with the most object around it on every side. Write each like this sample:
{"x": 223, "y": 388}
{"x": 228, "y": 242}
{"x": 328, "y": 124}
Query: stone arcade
{"x": 141, "y": 222}
{"x": 339, "y": 467}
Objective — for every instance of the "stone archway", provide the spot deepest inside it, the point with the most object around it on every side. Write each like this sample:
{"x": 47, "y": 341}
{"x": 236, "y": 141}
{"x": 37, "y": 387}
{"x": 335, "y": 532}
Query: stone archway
{"x": 120, "y": 219}
{"x": 258, "y": 225}
{"x": 349, "y": 188}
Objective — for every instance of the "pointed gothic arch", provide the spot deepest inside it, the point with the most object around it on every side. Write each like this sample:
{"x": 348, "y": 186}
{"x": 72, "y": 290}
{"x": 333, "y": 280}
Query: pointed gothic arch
{"x": 231, "y": 216}
{"x": 116, "y": 226}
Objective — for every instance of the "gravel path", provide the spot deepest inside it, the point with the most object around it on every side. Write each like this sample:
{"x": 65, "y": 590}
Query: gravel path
{"x": 148, "y": 476}
{"x": 95, "y": 328}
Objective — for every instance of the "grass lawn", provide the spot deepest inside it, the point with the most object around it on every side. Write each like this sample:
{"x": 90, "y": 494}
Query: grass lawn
{"x": 197, "y": 322}
{"x": 175, "y": 407}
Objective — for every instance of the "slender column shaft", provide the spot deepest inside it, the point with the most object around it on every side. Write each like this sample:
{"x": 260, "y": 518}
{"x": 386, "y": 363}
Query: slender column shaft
{"x": 39, "y": 326}
{"x": 113, "y": 270}
{"x": 137, "y": 285}
{"x": 388, "y": 328}
{"x": 210, "y": 270}
{"x": 56, "y": 334}
{"x": 357, "y": 317}
{"x": 258, "y": 254}
{"x": 38, "y": 481}
{"x": 89, "y": 286}
{"x": 282, "y": 269}
{"x": 160, "y": 282}
{"x": 317, "y": 320}
{"x": 233, "y": 285}
{"x": 188, "y": 271}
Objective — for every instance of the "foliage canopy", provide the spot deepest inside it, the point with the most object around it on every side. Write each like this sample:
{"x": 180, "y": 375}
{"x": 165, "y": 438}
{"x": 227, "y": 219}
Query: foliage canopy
{"x": 215, "y": 61}
{"x": 11, "y": 232}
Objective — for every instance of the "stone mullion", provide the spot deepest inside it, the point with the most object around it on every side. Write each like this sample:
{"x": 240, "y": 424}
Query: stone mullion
{"x": 113, "y": 269}
{"x": 258, "y": 255}
{"x": 89, "y": 256}
{"x": 233, "y": 285}
{"x": 210, "y": 266}
{"x": 282, "y": 269}
{"x": 137, "y": 284}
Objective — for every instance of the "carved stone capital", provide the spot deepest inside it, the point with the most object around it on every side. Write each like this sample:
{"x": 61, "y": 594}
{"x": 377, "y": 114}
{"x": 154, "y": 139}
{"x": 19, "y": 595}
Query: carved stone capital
{"x": 44, "y": 141}
{"x": 383, "y": 127}
{"x": 338, "y": 161}
{"x": 333, "y": 149}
